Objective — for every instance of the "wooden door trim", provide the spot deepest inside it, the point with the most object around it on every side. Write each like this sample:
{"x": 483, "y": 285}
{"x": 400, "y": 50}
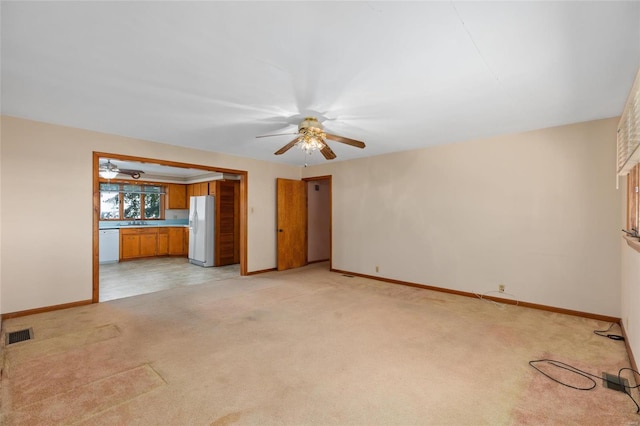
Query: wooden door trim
{"x": 95, "y": 298}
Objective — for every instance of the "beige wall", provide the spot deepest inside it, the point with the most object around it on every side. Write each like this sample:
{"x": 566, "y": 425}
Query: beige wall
{"x": 1, "y": 352}
{"x": 630, "y": 288}
{"x": 537, "y": 212}
{"x": 630, "y": 296}
{"x": 46, "y": 222}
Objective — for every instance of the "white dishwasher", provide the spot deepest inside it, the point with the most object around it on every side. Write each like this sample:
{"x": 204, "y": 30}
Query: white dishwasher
{"x": 109, "y": 240}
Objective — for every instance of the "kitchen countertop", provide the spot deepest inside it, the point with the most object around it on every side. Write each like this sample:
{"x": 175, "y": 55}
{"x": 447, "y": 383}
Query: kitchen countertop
{"x": 158, "y": 225}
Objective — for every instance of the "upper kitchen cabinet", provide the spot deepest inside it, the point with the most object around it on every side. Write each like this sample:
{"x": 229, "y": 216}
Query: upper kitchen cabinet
{"x": 197, "y": 189}
{"x": 177, "y": 196}
{"x": 203, "y": 188}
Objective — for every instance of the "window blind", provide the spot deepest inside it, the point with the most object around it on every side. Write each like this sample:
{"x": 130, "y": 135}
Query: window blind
{"x": 629, "y": 131}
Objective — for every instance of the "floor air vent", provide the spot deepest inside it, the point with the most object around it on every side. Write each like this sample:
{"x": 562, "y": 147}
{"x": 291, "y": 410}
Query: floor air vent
{"x": 615, "y": 382}
{"x": 19, "y": 336}
{"x": 348, "y": 276}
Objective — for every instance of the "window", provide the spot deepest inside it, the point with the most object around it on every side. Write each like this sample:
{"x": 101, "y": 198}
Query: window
{"x": 109, "y": 201}
{"x": 130, "y": 202}
{"x": 633, "y": 201}
{"x": 628, "y": 148}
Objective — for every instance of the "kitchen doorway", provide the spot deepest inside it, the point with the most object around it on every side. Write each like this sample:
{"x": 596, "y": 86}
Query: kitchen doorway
{"x": 158, "y": 273}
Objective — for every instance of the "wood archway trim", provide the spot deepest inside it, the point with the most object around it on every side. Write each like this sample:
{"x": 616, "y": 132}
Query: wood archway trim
{"x": 96, "y": 206}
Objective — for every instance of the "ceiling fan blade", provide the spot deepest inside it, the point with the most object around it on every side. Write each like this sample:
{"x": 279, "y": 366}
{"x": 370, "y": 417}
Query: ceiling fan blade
{"x": 277, "y": 134}
{"x": 133, "y": 173}
{"x": 287, "y": 147}
{"x": 328, "y": 152}
{"x": 348, "y": 141}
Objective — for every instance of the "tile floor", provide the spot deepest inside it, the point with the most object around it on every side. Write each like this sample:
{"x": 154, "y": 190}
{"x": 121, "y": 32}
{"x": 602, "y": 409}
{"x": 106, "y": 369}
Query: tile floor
{"x": 133, "y": 277}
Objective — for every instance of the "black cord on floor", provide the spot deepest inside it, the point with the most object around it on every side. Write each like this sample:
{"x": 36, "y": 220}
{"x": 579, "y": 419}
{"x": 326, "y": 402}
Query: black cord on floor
{"x": 604, "y": 333}
{"x": 626, "y": 388}
{"x": 585, "y": 374}
{"x": 564, "y": 367}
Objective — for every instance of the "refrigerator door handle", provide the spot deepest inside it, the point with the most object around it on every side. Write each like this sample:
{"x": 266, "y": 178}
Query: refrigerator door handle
{"x": 195, "y": 222}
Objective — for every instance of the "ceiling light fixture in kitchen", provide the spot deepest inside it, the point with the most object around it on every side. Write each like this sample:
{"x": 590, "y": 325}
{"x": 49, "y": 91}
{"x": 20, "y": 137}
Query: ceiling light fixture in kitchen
{"x": 108, "y": 170}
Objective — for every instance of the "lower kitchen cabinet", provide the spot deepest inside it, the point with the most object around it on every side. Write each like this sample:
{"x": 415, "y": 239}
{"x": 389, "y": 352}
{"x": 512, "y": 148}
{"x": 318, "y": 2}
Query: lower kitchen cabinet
{"x": 138, "y": 242}
{"x": 163, "y": 242}
{"x": 149, "y": 244}
{"x": 129, "y": 245}
{"x": 176, "y": 241}
{"x": 153, "y": 241}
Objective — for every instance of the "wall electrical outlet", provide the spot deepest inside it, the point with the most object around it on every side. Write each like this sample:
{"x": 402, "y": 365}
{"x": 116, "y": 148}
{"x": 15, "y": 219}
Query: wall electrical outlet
{"x": 501, "y": 288}
{"x": 377, "y": 268}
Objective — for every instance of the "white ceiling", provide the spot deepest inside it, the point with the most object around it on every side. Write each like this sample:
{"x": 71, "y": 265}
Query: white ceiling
{"x": 397, "y": 75}
{"x": 161, "y": 173}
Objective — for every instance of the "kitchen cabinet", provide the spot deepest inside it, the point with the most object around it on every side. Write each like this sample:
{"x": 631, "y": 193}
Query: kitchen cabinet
{"x": 176, "y": 241}
{"x": 153, "y": 241}
{"x": 176, "y": 196}
{"x": 129, "y": 245}
{"x": 138, "y": 242}
{"x": 149, "y": 244}
{"x": 197, "y": 189}
{"x": 163, "y": 241}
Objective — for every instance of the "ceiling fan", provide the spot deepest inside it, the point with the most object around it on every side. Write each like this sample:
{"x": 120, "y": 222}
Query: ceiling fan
{"x": 311, "y": 137}
{"x": 109, "y": 170}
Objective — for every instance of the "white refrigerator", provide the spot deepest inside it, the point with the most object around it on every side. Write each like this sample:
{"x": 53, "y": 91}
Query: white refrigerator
{"x": 201, "y": 222}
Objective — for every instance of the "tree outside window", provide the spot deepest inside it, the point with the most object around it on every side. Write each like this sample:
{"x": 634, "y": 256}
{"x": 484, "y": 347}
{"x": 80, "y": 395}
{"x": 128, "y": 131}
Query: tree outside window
{"x": 109, "y": 201}
{"x": 134, "y": 202}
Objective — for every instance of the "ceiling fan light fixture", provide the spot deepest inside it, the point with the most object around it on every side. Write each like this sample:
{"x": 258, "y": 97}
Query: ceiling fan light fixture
{"x": 310, "y": 144}
{"x": 108, "y": 170}
{"x": 311, "y": 139}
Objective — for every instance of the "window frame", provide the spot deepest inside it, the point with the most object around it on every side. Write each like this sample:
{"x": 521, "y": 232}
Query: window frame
{"x": 121, "y": 193}
{"x": 633, "y": 199}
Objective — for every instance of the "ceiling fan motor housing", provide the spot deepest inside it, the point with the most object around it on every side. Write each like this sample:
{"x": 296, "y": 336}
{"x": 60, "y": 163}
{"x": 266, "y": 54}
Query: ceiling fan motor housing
{"x": 309, "y": 123}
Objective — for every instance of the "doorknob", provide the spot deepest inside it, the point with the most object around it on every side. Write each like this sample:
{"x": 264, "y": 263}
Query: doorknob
{"x": 279, "y": 230}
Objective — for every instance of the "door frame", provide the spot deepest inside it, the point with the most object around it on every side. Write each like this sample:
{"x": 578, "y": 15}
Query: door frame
{"x": 95, "y": 298}
{"x": 328, "y": 178}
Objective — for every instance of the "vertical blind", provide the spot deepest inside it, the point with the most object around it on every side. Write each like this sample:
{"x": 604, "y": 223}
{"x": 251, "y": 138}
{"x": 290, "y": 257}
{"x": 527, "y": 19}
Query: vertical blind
{"x": 629, "y": 131}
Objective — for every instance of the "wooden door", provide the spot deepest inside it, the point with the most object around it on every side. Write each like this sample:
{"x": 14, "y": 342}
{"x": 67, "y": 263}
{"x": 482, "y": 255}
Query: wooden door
{"x": 292, "y": 223}
{"x": 225, "y": 230}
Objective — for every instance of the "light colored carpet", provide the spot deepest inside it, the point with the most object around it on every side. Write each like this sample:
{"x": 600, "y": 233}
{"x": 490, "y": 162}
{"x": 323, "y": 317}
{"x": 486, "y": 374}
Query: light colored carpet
{"x": 305, "y": 347}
